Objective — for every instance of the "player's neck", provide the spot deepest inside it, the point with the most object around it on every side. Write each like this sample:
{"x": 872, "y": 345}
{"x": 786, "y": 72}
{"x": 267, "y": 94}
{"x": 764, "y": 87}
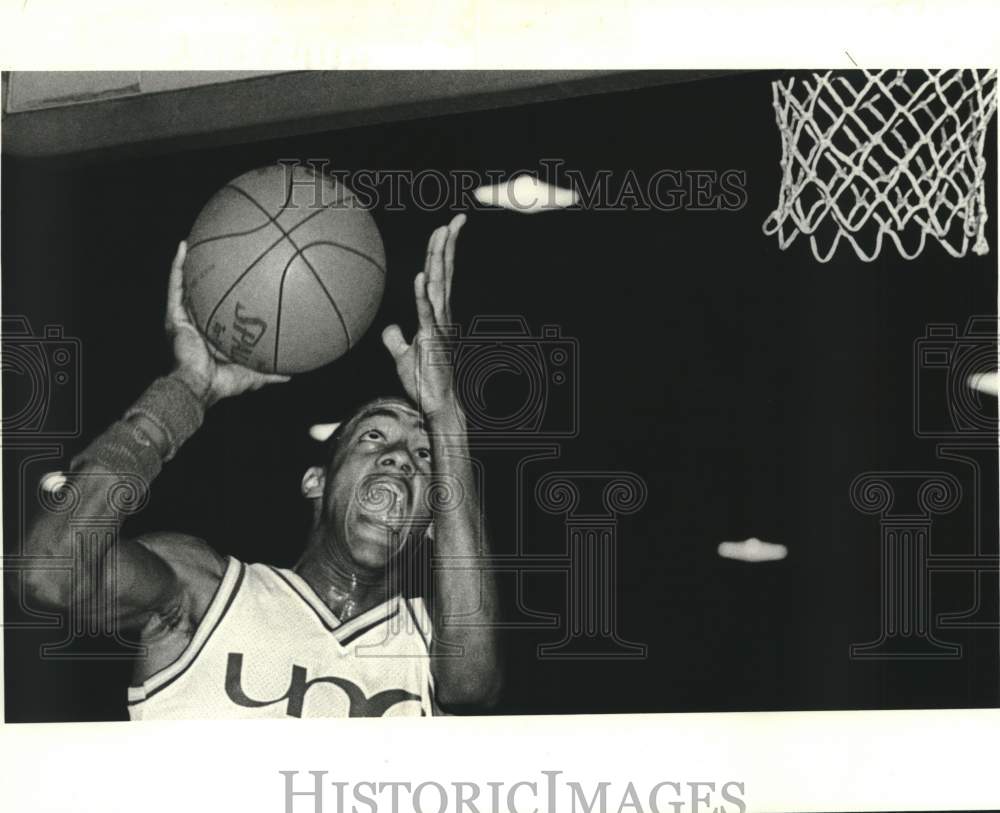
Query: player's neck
{"x": 348, "y": 590}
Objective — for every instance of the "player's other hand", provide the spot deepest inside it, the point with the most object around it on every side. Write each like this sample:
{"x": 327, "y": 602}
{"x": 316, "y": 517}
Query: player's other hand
{"x": 426, "y": 376}
{"x": 207, "y": 372}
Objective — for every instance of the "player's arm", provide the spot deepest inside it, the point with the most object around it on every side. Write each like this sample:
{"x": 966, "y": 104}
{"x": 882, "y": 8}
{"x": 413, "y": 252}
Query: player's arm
{"x": 465, "y": 653}
{"x": 138, "y": 581}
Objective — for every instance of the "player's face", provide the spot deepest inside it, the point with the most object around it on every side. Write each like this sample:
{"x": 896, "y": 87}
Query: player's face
{"x": 377, "y": 482}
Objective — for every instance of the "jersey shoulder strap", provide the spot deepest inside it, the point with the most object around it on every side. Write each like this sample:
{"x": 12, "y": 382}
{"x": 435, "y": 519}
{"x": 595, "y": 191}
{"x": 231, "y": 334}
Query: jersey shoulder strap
{"x": 223, "y": 599}
{"x": 416, "y": 609}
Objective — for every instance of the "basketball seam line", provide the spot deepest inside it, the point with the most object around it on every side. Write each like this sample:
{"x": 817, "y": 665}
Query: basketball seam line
{"x": 288, "y": 233}
{"x": 354, "y": 251}
{"x": 329, "y": 296}
{"x": 270, "y": 218}
{"x": 249, "y": 268}
{"x": 284, "y": 274}
{"x": 288, "y": 198}
{"x": 319, "y": 281}
{"x": 281, "y": 295}
{"x": 227, "y": 235}
{"x": 299, "y": 253}
{"x": 281, "y": 208}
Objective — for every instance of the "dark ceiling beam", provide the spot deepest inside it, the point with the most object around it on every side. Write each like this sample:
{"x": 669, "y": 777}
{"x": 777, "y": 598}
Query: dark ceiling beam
{"x": 295, "y": 103}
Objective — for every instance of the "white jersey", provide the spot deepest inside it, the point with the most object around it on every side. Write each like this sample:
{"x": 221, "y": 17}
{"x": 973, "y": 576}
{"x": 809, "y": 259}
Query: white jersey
{"x": 268, "y": 647}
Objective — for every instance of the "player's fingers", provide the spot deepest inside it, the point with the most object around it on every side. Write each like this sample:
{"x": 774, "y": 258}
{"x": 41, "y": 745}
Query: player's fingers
{"x": 435, "y": 272}
{"x": 449, "y": 263}
{"x": 263, "y": 379}
{"x": 175, "y": 287}
{"x": 217, "y": 354}
{"x": 431, "y": 244}
{"x": 392, "y": 338}
{"x": 449, "y": 251}
{"x": 425, "y": 311}
{"x": 184, "y": 314}
{"x": 275, "y": 378}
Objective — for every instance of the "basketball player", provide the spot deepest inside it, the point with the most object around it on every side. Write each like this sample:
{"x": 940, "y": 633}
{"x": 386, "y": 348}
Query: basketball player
{"x": 333, "y": 636}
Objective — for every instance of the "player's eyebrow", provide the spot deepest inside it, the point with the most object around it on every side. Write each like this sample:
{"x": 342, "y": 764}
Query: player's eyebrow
{"x": 388, "y": 412}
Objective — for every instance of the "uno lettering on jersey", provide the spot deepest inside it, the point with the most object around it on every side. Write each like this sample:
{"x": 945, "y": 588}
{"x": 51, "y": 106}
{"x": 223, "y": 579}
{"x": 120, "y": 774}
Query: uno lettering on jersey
{"x": 359, "y": 705}
{"x": 269, "y": 647}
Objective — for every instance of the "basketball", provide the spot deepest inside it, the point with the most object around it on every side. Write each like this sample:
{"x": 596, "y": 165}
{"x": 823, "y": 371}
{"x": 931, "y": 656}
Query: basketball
{"x": 284, "y": 269}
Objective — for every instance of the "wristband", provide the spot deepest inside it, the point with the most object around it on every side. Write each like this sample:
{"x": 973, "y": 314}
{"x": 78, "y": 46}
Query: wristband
{"x": 171, "y": 406}
{"x": 168, "y": 404}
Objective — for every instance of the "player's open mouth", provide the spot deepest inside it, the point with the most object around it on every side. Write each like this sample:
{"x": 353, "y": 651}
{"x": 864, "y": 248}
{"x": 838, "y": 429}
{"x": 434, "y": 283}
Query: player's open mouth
{"x": 384, "y": 498}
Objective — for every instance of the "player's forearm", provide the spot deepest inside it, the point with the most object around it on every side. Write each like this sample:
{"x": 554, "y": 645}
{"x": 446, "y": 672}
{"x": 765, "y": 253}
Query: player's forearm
{"x": 151, "y": 432}
{"x": 463, "y": 591}
{"x": 123, "y": 460}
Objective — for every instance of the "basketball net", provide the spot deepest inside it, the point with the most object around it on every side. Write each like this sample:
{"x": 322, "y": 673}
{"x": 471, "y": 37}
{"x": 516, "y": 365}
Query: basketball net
{"x": 884, "y": 153}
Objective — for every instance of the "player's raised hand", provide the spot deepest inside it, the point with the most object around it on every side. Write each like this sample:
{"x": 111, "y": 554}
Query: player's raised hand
{"x": 426, "y": 376}
{"x": 209, "y": 374}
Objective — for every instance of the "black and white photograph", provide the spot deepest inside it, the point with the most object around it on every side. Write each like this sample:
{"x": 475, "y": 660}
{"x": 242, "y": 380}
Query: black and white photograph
{"x": 499, "y": 394}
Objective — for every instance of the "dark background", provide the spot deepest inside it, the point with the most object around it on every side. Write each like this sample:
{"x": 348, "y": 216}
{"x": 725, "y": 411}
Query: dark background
{"x": 747, "y": 386}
